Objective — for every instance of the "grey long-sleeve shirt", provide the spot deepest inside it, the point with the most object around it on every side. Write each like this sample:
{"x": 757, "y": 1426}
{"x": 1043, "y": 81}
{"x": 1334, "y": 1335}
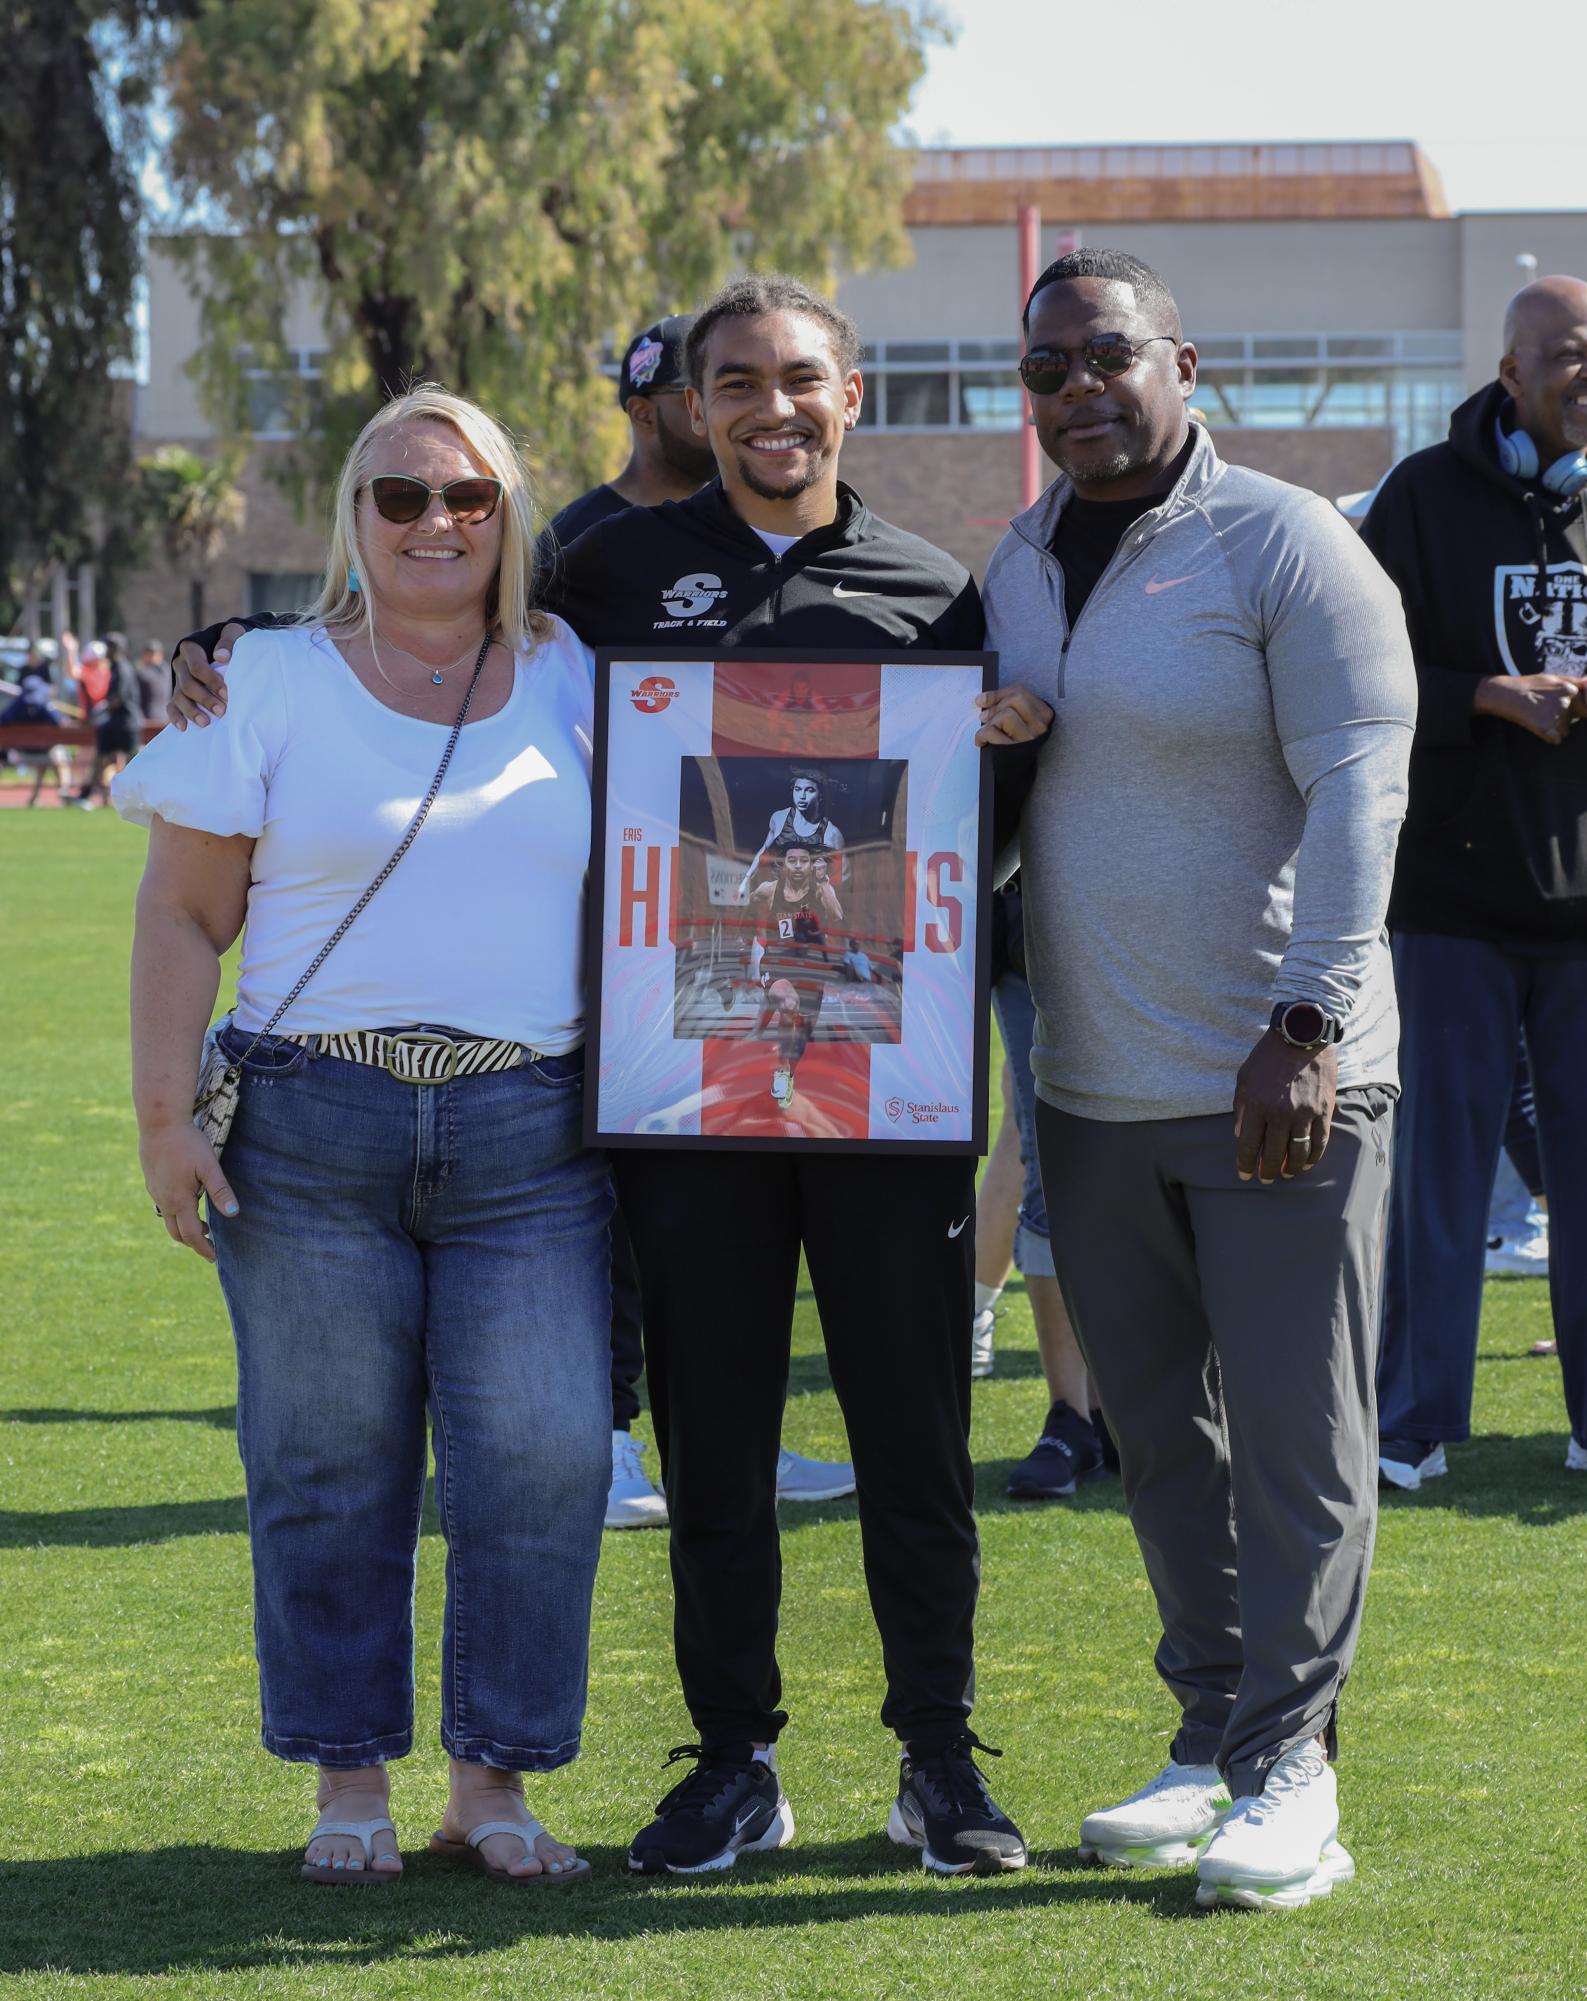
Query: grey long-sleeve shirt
{"x": 1213, "y": 820}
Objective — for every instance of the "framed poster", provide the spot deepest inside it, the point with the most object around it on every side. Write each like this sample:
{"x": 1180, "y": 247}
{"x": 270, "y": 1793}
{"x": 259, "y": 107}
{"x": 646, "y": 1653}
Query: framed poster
{"x": 789, "y": 902}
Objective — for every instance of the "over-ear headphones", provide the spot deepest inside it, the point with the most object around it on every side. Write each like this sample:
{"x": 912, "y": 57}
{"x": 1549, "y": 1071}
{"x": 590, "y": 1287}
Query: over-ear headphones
{"x": 1518, "y": 455}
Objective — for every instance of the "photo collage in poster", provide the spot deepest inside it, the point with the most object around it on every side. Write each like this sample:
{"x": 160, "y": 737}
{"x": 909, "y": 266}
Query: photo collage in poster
{"x": 786, "y": 917}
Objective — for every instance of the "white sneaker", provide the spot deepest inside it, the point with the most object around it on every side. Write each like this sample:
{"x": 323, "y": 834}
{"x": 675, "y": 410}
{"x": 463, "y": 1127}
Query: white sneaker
{"x": 981, "y": 1342}
{"x": 1279, "y": 1848}
{"x": 1405, "y": 1472}
{"x": 1522, "y": 1257}
{"x": 1163, "y": 1826}
{"x": 632, "y": 1502}
{"x": 782, "y": 1086}
{"x": 1575, "y": 1457}
{"x": 801, "y": 1479}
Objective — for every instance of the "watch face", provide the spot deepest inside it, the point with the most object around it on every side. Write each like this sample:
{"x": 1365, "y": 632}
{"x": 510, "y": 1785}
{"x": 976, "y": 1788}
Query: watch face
{"x": 1304, "y": 1022}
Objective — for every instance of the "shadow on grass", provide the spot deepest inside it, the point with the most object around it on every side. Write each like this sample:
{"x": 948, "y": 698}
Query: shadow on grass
{"x": 223, "y": 1417}
{"x": 208, "y": 1909}
{"x": 1101, "y": 1496}
{"x": 1521, "y": 1479}
{"x": 158, "y": 1521}
{"x": 121, "y": 1527}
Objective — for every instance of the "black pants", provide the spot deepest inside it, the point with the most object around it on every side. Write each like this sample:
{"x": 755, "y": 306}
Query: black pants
{"x": 628, "y": 1355}
{"x": 890, "y": 1242}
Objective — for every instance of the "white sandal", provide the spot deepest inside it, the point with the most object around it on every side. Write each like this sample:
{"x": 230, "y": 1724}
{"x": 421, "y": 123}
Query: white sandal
{"x": 528, "y": 1832}
{"x": 362, "y": 1831}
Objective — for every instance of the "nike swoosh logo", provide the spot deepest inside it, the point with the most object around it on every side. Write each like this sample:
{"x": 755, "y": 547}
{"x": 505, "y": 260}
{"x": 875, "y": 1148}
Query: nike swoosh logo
{"x": 839, "y": 592}
{"x": 955, "y": 1228}
{"x": 1165, "y": 584}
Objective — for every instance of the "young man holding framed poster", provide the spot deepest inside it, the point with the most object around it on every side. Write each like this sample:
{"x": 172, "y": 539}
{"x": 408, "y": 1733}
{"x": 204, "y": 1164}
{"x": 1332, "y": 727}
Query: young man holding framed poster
{"x": 777, "y": 554}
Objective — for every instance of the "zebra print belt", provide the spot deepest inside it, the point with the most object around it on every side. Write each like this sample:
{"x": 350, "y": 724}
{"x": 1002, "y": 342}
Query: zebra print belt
{"x": 419, "y": 1056}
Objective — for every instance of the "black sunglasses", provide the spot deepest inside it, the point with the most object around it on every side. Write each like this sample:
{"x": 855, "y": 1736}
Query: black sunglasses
{"x": 398, "y": 496}
{"x": 1045, "y": 370}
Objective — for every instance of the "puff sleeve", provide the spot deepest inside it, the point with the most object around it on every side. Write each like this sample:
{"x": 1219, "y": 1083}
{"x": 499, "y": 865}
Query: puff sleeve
{"x": 215, "y": 779}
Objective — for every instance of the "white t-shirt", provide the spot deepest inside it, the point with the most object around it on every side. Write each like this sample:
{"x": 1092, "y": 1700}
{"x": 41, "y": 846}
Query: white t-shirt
{"x": 779, "y": 545}
{"x": 480, "y": 925}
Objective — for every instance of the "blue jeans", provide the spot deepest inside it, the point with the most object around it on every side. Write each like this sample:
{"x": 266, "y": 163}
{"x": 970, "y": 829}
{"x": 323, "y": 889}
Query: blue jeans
{"x": 399, "y": 1250}
{"x": 1016, "y": 1018}
{"x": 1462, "y": 1003}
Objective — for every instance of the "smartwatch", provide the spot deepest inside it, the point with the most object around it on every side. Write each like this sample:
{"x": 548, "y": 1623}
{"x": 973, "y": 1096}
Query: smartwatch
{"x": 1304, "y": 1025}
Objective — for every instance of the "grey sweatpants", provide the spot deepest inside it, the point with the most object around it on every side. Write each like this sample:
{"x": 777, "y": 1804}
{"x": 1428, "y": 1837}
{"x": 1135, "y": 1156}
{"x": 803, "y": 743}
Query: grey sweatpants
{"x": 1231, "y": 1330}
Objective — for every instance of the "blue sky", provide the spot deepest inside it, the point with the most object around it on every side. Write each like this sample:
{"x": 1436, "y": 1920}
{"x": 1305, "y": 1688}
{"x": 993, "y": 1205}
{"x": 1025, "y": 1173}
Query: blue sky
{"x": 1467, "y": 84}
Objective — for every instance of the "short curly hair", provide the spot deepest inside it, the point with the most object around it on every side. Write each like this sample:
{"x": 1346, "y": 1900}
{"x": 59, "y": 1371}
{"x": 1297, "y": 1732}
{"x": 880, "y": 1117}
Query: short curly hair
{"x": 1151, "y": 293}
{"x": 752, "y": 298}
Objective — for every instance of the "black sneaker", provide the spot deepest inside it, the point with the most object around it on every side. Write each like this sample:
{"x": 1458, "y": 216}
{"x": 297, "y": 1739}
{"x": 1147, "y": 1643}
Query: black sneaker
{"x": 727, "y": 1804}
{"x": 944, "y": 1809}
{"x": 1067, "y": 1452}
{"x": 1110, "y": 1452}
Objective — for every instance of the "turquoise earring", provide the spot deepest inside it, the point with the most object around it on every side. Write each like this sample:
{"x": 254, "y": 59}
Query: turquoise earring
{"x": 352, "y": 580}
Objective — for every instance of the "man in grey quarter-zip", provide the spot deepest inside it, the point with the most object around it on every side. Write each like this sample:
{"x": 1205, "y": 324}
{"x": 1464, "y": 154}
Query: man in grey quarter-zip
{"x": 1206, "y": 854}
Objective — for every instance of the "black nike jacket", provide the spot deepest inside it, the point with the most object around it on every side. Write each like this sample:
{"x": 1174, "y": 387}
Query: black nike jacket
{"x": 691, "y": 573}
{"x": 1493, "y": 574}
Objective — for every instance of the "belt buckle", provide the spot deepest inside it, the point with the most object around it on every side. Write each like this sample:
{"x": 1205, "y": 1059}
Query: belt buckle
{"x": 418, "y": 1039}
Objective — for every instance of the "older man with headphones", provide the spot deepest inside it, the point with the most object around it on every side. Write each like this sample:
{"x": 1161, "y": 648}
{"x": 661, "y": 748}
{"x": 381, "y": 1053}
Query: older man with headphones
{"x": 1486, "y": 536}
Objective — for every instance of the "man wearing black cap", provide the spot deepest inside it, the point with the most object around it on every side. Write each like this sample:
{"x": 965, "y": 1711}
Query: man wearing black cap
{"x": 666, "y": 460}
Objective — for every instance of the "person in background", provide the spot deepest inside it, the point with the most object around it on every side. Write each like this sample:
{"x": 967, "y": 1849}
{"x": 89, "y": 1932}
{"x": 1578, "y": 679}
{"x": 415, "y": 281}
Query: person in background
{"x": 33, "y": 704}
{"x": 1518, "y": 1208}
{"x": 118, "y": 719}
{"x": 1073, "y": 1444}
{"x": 89, "y": 669}
{"x": 1485, "y": 536}
{"x": 154, "y": 681}
{"x": 666, "y": 461}
{"x": 1206, "y": 856}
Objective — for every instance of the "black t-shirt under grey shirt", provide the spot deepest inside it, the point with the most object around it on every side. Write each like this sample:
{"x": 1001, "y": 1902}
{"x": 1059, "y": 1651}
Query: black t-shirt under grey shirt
{"x": 1089, "y": 531}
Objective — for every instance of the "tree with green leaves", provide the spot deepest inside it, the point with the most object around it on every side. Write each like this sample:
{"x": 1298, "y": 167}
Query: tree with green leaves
{"x": 72, "y": 96}
{"x": 491, "y": 192}
{"x": 192, "y": 505}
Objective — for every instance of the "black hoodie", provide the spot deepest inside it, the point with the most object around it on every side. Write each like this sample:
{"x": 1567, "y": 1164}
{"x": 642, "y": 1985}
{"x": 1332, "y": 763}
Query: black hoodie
{"x": 1493, "y": 574}
{"x": 692, "y": 573}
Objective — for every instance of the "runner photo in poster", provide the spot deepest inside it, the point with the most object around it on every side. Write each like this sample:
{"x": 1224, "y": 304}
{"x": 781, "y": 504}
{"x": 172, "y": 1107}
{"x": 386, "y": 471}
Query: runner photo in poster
{"x": 786, "y": 928}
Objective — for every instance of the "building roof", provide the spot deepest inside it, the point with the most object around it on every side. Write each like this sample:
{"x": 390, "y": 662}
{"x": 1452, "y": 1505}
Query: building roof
{"x": 989, "y": 184}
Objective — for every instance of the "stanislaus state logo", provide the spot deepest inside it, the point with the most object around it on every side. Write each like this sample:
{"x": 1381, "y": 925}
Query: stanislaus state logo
{"x": 894, "y": 1109}
{"x": 653, "y": 694}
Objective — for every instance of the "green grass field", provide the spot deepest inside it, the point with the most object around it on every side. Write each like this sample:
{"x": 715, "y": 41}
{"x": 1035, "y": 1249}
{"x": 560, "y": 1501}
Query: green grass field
{"x": 148, "y": 1846}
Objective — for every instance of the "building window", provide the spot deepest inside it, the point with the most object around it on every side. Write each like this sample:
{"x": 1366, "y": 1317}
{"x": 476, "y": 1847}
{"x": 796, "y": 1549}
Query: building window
{"x": 1408, "y": 382}
{"x": 917, "y": 402}
{"x": 282, "y": 402}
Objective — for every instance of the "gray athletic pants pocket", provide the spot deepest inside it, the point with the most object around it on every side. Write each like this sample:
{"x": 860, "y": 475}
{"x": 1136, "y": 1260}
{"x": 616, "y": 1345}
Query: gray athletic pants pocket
{"x": 1231, "y": 1330}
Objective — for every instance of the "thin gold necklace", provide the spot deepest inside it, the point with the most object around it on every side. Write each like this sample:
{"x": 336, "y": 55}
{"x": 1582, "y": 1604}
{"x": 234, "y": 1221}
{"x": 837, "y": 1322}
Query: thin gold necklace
{"x": 437, "y": 675}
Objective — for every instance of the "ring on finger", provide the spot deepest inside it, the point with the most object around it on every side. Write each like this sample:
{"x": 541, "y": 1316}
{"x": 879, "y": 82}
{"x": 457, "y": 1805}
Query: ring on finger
{"x": 1300, "y": 1139}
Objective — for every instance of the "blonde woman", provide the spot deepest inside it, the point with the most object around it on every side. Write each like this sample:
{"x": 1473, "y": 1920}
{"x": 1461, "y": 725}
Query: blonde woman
{"x": 405, "y": 1224}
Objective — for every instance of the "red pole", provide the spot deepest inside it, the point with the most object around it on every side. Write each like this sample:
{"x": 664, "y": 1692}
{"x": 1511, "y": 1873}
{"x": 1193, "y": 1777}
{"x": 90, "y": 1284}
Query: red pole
{"x": 1029, "y": 266}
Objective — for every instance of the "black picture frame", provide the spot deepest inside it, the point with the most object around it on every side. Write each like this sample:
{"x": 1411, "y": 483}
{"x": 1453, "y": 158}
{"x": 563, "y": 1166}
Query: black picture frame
{"x": 783, "y": 664}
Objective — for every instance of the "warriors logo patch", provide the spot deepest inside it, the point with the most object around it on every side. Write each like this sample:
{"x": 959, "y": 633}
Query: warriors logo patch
{"x": 1540, "y": 622}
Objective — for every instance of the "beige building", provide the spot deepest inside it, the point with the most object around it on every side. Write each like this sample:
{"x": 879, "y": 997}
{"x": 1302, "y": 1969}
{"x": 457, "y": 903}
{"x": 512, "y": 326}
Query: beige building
{"x": 1340, "y": 313}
